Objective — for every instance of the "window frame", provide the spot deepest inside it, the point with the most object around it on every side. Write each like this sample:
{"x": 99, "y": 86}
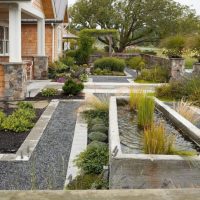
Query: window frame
{"x": 5, "y": 40}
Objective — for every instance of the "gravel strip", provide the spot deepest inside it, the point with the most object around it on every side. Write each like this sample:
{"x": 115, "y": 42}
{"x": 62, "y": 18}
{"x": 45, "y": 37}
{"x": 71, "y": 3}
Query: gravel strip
{"x": 48, "y": 165}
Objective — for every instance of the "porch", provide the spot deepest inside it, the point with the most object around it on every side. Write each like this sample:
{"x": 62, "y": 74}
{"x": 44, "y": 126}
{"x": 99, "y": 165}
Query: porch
{"x": 15, "y": 68}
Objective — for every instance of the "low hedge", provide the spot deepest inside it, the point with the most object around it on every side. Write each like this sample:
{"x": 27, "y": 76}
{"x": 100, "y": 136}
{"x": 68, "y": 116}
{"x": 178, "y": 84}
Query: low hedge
{"x": 112, "y": 64}
{"x": 97, "y": 144}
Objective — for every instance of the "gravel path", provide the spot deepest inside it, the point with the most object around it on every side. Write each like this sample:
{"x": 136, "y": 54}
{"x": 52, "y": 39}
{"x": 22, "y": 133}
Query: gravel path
{"x": 48, "y": 165}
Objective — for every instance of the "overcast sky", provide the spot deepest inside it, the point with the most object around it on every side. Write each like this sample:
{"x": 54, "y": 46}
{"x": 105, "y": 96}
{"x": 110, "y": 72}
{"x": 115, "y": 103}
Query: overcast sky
{"x": 193, "y": 3}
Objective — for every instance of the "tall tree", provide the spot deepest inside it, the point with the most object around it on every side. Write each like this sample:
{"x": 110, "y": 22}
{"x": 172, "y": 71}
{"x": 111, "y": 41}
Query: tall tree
{"x": 138, "y": 21}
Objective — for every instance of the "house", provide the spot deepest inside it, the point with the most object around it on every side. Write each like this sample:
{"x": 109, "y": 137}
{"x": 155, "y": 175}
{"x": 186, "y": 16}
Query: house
{"x": 30, "y": 37}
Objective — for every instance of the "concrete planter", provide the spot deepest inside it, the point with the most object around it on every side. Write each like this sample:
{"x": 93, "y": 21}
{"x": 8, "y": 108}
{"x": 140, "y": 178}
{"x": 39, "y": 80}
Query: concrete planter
{"x": 137, "y": 171}
{"x": 177, "y": 68}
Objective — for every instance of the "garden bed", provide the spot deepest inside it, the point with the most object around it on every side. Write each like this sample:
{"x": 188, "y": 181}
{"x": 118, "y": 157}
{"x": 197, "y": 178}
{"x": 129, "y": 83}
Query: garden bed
{"x": 131, "y": 168}
{"x": 10, "y": 141}
{"x": 39, "y": 97}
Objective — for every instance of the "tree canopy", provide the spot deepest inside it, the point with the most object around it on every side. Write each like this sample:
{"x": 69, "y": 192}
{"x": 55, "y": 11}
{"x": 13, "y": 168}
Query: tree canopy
{"x": 137, "y": 21}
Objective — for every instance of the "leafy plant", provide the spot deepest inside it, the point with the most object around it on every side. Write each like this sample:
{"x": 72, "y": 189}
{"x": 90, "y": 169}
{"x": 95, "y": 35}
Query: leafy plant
{"x": 68, "y": 61}
{"x": 174, "y": 46}
{"x": 136, "y": 63}
{"x": 49, "y": 92}
{"x": 25, "y": 105}
{"x": 2, "y": 118}
{"x": 82, "y": 182}
{"x": 92, "y": 160}
{"x": 155, "y": 75}
{"x": 112, "y": 64}
{"x": 194, "y": 45}
{"x": 99, "y": 128}
{"x": 72, "y": 87}
{"x": 146, "y": 111}
{"x": 84, "y": 77}
{"x": 97, "y": 144}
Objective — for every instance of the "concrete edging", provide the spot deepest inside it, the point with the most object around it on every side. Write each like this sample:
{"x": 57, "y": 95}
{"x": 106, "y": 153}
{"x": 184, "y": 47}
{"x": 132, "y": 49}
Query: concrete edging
{"x": 79, "y": 145}
{"x": 25, "y": 151}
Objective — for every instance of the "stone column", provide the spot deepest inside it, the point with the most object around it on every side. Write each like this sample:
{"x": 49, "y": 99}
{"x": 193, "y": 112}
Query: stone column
{"x": 196, "y": 69}
{"x": 15, "y": 83}
{"x": 177, "y": 68}
{"x": 40, "y": 70}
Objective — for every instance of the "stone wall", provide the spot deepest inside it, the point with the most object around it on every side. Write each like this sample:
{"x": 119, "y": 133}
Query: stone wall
{"x": 152, "y": 60}
{"x": 14, "y": 79}
{"x": 40, "y": 67}
{"x": 133, "y": 173}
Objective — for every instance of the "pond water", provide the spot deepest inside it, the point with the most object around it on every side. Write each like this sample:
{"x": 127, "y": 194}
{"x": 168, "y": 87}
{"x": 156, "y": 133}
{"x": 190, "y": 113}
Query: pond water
{"x": 131, "y": 135}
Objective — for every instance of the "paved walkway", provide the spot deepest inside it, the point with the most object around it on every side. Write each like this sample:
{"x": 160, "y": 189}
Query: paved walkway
{"x": 47, "y": 166}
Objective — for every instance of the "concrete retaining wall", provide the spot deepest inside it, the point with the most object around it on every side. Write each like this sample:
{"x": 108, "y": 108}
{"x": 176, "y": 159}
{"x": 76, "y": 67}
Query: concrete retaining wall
{"x": 136, "y": 171}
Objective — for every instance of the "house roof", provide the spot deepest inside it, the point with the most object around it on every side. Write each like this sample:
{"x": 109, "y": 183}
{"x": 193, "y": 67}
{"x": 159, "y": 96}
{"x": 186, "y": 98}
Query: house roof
{"x": 61, "y": 10}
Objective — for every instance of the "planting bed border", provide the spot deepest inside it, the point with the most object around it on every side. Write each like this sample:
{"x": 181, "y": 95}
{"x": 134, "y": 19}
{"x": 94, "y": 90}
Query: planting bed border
{"x": 28, "y": 146}
{"x": 134, "y": 171}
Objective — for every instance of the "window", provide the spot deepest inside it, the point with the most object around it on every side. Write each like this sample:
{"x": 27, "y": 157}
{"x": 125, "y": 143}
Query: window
{"x": 4, "y": 41}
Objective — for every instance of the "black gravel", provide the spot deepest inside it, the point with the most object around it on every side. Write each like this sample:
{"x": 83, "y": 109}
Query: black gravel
{"x": 48, "y": 164}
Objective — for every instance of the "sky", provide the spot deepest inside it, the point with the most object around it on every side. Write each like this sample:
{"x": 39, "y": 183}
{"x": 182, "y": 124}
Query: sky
{"x": 195, "y": 4}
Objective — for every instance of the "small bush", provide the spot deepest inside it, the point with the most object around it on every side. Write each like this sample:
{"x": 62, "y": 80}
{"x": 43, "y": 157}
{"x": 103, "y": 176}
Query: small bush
{"x": 84, "y": 77}
{"x": 68, "y": 61}
{"x": 154, "y": 75}
{"x": 136, "y": 63}
{"x": 112, "y": 64}
{"x": 25, "y": 105}
{"x": 98, "y": 136}
{"x": 49, "y": 92}
{"x": 99, "y": 128}
{"x": 97, "y": 144}
{"x": 95, "y": 121}
{"x": 92, "y": 160}
{"x": 174, "y": 46}
{"x": 82, "y": 182}
{"x": 72, "y": 87}
{"x": 2, "y": 118}
{"x": 146, "y": 111}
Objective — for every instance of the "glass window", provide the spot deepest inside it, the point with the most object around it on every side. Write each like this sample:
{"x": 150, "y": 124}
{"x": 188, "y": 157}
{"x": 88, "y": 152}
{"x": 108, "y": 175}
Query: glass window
{"x": 4, "y": 40}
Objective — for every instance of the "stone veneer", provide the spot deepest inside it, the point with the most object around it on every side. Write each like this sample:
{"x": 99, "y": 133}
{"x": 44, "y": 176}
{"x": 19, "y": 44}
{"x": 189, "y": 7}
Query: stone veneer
{"x": 40, "y": 67}
{"x": 177, "y": 68}
{"x": 196, "y": 68}
{"x": 1, "y": 81}
{"x": 14, "y": 81}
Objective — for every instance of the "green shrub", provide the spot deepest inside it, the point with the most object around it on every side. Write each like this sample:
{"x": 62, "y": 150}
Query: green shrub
{"x": 154, "y": 75}
{"x": 68, "y": 61}
{"x": 49, "y": 92}
{"x": 25, "y": 105}
{"x": 70, "y": 53}
{"x": 136, "y": 63}
{"x": 194, "y": 45}
{"x": 72, "y": 87}
{"x": 2, "y": 118}
{"x": 99, "y": 128}
{"x": 95, "y": 121}
{"x": 97, "y": 144}
{"x": 150, "y": 52}
{"x": 82, "y": 182}
{"x": 92, "y": 160}
{"x": 146, "y": 112}
{"x": 174, "y": 46}
{"x": 112, "y": 64}
{"x": 84, "y": 77}
{"x": 98, "y": 136}
{"x": 189, "y": 62}
{"x": 17, "y": 124}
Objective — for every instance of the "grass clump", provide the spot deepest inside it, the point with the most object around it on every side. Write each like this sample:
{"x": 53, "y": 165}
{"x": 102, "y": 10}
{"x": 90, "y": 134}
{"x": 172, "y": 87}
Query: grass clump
{"x": 135, "y": 99}
{"x": 184, "y": 108}
{"x": 156, "y": 141}
{"x": 146, "y": 111}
